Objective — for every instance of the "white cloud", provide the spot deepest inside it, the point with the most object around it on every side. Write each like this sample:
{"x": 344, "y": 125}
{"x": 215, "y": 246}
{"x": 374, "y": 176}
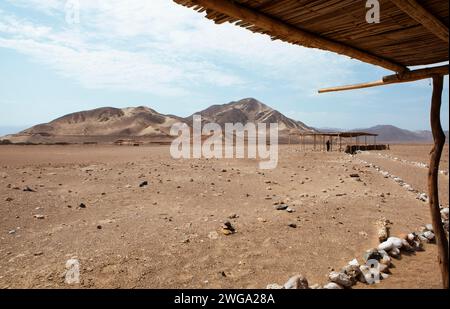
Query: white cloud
{"x": 159, "y": 47}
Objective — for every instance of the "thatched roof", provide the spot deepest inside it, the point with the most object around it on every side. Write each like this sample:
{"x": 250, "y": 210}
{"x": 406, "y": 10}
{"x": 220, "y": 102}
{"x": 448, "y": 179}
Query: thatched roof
{"x": 411, "y": 32}
{"x": 336, "y": 134}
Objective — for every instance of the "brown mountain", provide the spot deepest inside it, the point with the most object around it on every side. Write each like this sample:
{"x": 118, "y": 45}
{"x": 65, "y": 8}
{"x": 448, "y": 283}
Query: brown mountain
{"x": 101, "y": 124}
{"x": 109, "y": 124}
{"x": 249, "y": 110}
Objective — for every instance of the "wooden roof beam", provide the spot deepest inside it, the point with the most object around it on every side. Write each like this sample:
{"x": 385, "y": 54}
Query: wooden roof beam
{"x": 278, "y": 28}
{"x": 395, "y": 79}
{"x": 416, "y": 11}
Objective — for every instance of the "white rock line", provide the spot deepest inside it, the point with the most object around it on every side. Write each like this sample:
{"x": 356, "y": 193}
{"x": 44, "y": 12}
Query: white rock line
{"x": 377, "y": 261}
{"x": 419, "y": 195}
{"x": 413, "y": 163}
{"x": 391, "y": 247}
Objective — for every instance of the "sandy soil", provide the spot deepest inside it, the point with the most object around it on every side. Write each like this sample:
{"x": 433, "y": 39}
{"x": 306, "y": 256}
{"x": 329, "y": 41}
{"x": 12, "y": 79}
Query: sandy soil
{"x": 158, "y": 236}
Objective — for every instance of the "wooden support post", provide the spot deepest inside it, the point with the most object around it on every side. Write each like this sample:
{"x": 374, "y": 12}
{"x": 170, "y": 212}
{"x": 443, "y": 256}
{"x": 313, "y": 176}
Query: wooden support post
{"x": 340, "y": 143}
{"x": 315, "y": 136}
{"x": 433, "y": 174}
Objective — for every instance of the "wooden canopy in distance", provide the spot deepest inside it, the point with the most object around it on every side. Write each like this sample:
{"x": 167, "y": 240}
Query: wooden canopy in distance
{"x": 340, "y": 134}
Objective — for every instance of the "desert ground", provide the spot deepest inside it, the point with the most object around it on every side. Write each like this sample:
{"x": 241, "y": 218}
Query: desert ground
{"x": 167, "y": 234}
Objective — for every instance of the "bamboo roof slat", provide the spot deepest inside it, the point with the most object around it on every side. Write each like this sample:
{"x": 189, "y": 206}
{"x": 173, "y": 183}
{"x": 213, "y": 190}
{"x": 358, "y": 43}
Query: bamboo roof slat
{"x": 411, "y": 32}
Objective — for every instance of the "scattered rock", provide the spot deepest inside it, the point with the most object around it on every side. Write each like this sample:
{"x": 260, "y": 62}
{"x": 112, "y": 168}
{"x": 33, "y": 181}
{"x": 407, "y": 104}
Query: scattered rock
{"x": 99, "y": 227}
{"x": 429, "y": 235}
{"x": 40, "y": 217}
{"x": 341, "y": 279}
{"x": 408, "y": 245}
{"x": 354, "y": 262}
{"x": 233, "y": 216}
{"x": 395, "y": 252}
{"x": 352, "y": 271}
{"x": 386, "y": 246}
{"x": 82, "y": 205}
{"x": 429, "y": 227}
{"x": 290, "y": 210}
{"x": 354, "y": 175}
{"x": 379, "y": 255}
{"x": 281, "y": 207}
{"x": 382, "y": 226}
{"x": 228, "y": 229}
{"x": 297, "y": 282}
{"x": 444, "y": 213}
{"x": 293, "y": 225}
{"x": 384, "y": 276}
{"x": 422, "y": 197}
{"x": 422, "y": 238}
{"x": 9, "y": 199}
{"x": 28, "y": 189}
{"x": 143, "y": 184}
{"x": 396, "y": 242}
{"x": 368, "y": 276}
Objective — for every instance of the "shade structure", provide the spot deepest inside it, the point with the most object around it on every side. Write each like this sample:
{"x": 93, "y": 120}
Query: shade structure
{"x": 400, "y": 40}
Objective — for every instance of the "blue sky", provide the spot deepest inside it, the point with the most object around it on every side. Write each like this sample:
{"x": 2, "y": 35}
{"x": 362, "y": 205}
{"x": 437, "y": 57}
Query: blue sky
{"x": 162, "y": 55}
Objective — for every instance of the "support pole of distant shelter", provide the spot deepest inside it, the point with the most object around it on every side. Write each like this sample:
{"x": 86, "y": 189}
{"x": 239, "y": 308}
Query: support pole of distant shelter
{"x": 433, "y": 174}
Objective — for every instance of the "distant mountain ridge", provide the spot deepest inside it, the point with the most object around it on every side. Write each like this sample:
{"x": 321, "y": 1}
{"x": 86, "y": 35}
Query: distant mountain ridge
{"x": 390, "y": 133}
{"x": 133, "y": 121}
{"x": 108, "y": 124}
{"x": 249, "y": 110}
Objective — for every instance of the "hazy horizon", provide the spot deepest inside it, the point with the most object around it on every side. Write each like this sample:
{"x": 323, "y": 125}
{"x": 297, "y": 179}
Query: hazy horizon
{"x": 5, "y": 130}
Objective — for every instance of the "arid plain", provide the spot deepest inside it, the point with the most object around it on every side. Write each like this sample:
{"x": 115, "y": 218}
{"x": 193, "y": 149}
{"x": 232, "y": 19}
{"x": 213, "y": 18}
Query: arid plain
{"x": 167, "y": 234}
